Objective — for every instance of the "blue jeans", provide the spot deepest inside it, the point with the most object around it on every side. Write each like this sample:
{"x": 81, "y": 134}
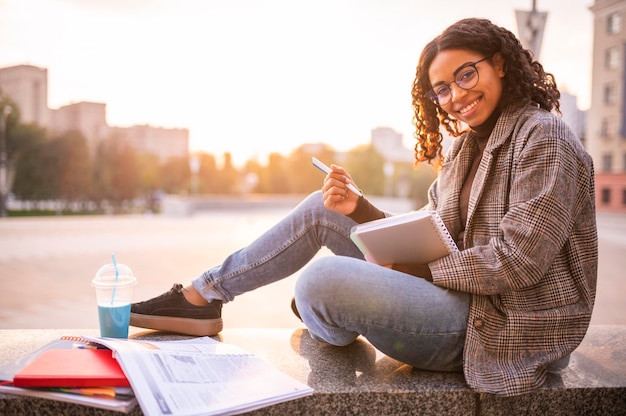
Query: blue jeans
{"x": 341, "y": 297}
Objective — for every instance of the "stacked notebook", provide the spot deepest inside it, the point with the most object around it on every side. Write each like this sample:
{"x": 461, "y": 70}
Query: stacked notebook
{"x": 72, "y": 368}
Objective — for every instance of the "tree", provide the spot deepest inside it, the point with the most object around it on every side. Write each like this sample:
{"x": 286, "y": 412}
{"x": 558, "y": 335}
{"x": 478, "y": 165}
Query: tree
{"x": 34, "y": 172}
{"x": 148, "y": 165}
{"x": 208, "y": 175}
{"x": 277, "y": 180}
{"x": 303, "y": 177}
{"x": 423, "y": 177}
{"x": 229, "y": 176}
{"x": 72, "y": 166}
{"x": 8, "y": 117}
{"x": 365, "y": 165}
{"x": 175, "y": 175}
{"x": 116, "y": 173}
{"x": 254, "y": 173}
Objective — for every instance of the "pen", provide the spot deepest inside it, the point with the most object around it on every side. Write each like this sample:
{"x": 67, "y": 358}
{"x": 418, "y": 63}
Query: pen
{"x": 88, "y": 346}
{"x": 321, "y": 166}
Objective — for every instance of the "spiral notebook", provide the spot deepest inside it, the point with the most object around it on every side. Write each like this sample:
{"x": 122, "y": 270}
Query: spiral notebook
{"x": 415, "y": 237}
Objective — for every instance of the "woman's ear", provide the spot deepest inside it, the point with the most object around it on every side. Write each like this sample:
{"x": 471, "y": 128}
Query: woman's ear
{"x": 499, "y": 64}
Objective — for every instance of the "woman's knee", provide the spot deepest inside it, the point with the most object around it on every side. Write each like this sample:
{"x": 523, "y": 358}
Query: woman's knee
{"x": 319, "y": 294}
{"x": 328, "y": 279}
{"x": 311, "y": 278}
{"x": 311, "y": 203}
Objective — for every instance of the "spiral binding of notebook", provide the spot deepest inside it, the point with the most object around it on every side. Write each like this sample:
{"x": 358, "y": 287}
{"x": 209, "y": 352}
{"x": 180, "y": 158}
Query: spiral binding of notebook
{"x": 76, "y": 339}
{"x": 444, "y": 233}
{"x": 81, "y": 342}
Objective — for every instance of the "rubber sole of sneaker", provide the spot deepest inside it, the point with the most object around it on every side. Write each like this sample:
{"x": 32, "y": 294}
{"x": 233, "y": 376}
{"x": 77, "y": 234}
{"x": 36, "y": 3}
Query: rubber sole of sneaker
{"x": 187, "y": 326}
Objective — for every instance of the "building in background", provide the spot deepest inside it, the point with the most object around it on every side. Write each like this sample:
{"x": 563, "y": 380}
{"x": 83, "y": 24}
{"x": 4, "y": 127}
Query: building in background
{"x": 574, "y": 116}
{"x": 398, "y": 160}
{"x": 85, "y": 117}
{"x": 27, "y": 86}
{"x": 389, "y": 143}
{"x": 606, "y": 126}
{"x": 164, "y": 143}
{"x": 531, "y": 26}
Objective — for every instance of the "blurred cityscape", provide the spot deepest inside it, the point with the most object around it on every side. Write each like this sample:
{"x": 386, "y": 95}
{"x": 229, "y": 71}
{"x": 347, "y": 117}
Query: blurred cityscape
{"x": 128, "y": 169}
{"x": 70, "y": 159}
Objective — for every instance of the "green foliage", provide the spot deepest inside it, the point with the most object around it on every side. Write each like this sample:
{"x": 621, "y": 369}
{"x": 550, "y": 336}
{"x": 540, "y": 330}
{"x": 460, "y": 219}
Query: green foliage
{"x": 71, "y": 164}
{"x": 365, "y": 165}
{"x": 149, "y": 167}
{"x": 303, "y": 176}
{"x": 116, "y": 173}
{"x": 175, "y": 175}
{"x": 69, "y": 168}
{"x": 420, "y": 181}
{"x": 229, "y": 177}
{"x": 208, "y": 180}
{"x": 293, "y": 174}
{"x": 32, "y": 162}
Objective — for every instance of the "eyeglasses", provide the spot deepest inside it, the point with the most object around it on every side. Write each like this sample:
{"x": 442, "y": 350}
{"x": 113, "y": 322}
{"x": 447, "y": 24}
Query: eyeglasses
{"x": 465, "y": 77}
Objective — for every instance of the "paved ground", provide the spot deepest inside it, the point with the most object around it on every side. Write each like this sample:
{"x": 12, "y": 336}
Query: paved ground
{"x": 46, "y": 264}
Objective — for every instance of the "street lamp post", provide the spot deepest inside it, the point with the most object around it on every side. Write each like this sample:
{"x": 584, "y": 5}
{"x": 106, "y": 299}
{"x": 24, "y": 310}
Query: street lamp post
{"x": 4, "y": 183}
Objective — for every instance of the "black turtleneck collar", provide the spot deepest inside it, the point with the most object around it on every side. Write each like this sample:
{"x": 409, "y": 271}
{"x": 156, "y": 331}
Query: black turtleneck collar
{"x": 484, "y": 130}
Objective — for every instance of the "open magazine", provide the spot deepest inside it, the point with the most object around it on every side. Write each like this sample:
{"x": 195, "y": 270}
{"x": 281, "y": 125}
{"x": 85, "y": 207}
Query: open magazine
{"x": 199, "y": 376}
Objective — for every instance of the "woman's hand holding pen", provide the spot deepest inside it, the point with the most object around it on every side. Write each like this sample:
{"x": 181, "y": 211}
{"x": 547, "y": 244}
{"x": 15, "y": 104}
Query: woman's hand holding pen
{"x": 337, "y": 196}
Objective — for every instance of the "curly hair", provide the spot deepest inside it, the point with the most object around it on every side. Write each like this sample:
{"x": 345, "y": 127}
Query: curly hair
{"x": 525, "y": 81}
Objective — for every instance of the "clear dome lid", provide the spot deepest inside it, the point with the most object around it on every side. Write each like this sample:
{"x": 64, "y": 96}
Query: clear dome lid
{"x": 110, "y": 270}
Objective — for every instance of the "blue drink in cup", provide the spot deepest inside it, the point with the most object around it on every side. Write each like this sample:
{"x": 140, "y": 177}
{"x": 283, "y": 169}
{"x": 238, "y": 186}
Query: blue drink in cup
{"x": 114, "y": 320}
{"x": 114, "y": 286}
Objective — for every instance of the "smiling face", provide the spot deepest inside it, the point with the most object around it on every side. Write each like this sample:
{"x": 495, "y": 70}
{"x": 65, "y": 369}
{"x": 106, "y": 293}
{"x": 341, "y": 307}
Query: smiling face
{"x": 475, "y": 105}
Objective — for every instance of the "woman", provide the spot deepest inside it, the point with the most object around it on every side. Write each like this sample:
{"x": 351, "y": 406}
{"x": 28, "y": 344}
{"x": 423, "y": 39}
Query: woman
{"x": 516, "y": 190}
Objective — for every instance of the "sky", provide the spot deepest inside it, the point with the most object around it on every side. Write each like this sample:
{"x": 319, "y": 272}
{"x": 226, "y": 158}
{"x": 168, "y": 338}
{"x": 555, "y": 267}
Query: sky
{"x": 258, "y": 76}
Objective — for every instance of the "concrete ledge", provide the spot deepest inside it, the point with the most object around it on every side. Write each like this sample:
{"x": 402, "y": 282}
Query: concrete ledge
{"x": 359, "y": 380}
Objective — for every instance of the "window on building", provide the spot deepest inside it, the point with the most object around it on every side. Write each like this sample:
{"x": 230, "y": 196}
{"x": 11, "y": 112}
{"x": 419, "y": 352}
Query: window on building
{"x": 611, "y": 59}
{"x": 607, "y": 163}
{"x": 610, "y": 93}
{"x": 614, "y": 23}
{"x": 604, "y": 128}
{"x": 606, "y": 196}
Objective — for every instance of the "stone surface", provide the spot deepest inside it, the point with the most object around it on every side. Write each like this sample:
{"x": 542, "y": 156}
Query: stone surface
{"x": 359, "y": 380}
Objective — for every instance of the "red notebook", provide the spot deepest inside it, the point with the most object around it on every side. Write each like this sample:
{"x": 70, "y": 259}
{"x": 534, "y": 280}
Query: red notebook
{"x": 72, "y": 368}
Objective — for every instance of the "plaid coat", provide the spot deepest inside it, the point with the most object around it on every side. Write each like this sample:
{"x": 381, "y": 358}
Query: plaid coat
{"x": 530, "y": 248}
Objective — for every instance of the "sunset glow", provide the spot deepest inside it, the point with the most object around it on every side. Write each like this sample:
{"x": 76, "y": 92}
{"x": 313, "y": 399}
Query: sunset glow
{"x": 251, "y": 76}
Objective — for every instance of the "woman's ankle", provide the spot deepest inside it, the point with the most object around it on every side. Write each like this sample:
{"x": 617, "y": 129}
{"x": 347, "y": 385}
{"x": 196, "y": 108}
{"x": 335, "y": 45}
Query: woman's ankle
{"x": 194, "y": 297}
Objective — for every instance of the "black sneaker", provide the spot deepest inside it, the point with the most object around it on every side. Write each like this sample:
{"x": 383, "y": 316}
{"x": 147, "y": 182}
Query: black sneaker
{"x": 173, "y": 313}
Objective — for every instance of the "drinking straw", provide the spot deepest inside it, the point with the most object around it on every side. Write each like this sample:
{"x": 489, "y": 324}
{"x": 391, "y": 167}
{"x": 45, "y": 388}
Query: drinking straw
{"x": 116, "y": 275}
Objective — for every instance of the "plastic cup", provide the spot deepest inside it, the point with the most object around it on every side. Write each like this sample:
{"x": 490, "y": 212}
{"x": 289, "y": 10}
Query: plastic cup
{"x": 113, "y": 295}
